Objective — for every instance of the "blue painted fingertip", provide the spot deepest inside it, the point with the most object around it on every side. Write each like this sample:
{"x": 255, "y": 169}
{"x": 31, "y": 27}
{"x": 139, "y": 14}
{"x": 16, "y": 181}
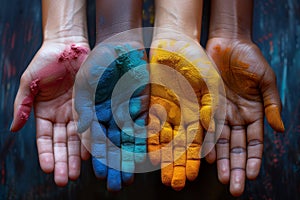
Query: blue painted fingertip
{"x": 100, "y": 169}
{"x": 114, "y": 182}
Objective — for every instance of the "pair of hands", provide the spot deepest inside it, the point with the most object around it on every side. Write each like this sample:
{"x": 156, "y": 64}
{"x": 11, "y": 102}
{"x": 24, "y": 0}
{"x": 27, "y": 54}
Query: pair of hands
{"x": 250, "y": 92}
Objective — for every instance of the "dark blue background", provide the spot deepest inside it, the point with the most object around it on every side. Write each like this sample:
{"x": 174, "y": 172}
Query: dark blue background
{"x": 276, "y": 30}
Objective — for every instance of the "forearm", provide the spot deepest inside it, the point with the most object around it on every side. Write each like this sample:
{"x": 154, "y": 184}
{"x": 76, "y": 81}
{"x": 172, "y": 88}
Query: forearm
{"x": 182, "y": 16}
{"x": 115, "y": 16}
{"x": 231, "y": 19}
{"x": 64, "y": 19}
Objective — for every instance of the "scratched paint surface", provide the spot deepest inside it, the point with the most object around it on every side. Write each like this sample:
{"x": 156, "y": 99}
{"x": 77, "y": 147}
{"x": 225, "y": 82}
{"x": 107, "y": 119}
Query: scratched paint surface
{"x": 277, "y": 33}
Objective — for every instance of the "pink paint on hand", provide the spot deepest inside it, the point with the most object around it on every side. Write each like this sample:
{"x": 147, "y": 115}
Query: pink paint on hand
{"x": 25, "y": 107}
{"x": 73, "y": 53}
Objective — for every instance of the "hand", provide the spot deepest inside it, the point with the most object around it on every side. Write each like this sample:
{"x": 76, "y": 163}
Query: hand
{"x": 47, "y": 85}
{"x": 115, "y": 145}
{"x": 177, "y": 145}
{"x": 251, "y": 92}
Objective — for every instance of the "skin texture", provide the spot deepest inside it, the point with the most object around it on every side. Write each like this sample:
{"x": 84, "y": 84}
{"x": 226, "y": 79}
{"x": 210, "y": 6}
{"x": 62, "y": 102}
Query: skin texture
{"x": 47, "y": 85}
{"x": 251, "y": 93}
{"x": 178, "y": 161}
{"x": 103, "y": 153}
{"x": 180, "y": 138}
{"x": 114, "y": 17}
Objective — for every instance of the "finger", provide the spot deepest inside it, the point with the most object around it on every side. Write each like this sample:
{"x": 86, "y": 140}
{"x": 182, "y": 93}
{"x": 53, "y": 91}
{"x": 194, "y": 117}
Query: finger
{"x": 60, "y": 154}
{"x": 237, "y": 160}
{"x": 140, "y": 146}
{"x": 209, "y": 147}
{"x": 222, "y": 148}
{"x": 44, "y": 139}
{"x": 73, "y": 151}
{"x": 153, "y": 139}
{"x": 254, "y": 148}
{"x": 271, "y": 100}
{"x": 114, "y": 182}
{"x": 206, "y": 113}
{"x": 127, "y": 154}
{"x": 85, "y": 140}
{"x": 24, "y": 101}
{"x": 99, "y": 149}
{"x": 84, "y": 153}
{"x": 179, "y": 155}
{"x": 166, "y": 136}
{"x": 194, "y": 140}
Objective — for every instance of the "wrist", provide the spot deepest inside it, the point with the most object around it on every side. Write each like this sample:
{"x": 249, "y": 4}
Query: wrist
{"x": 176, "y": 32}
{"x": 135, "y": 33}
{"x": 67, "y": 40}
{"x": 181, "y": 16}
{"x": 232, "y": 32}
{"x": 127, "y": 15}
{"x": 231, "y": 19}
{"x": 64, "y": 19}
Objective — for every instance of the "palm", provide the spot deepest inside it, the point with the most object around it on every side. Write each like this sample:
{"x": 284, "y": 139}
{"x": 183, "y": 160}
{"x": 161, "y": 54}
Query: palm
{"x": 55, "y": 90}
{"x": 47, "y": 85}
{"x": 182, "y": 129}
{"x": 251, "y": 91}
{"x": 104, "y": 67}
{"x": 242, "y": 74}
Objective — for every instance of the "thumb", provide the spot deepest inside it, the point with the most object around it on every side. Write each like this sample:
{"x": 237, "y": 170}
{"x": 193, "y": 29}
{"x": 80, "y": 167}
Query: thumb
{"x": 24, "y": 100}
{"x": 271, "y": 99}
{"x": 83, "y": 105}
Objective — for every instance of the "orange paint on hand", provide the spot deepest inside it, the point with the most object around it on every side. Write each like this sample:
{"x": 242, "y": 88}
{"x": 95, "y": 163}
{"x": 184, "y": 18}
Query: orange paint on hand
{"x": 178, "y": 161}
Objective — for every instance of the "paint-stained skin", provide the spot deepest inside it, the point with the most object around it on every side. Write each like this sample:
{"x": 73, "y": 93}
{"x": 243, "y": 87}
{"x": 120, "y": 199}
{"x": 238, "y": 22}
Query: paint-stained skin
{"x": 129, "y": 141}
{"x": 49, "y": 82}
{"x": 178, "y": 161}
{"x": 276, "y": 33}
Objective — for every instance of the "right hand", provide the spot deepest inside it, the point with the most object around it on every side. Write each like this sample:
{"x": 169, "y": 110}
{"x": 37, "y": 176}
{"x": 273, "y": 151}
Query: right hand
{"x": 47, "y": 85}
{"x": 177, "y": 146}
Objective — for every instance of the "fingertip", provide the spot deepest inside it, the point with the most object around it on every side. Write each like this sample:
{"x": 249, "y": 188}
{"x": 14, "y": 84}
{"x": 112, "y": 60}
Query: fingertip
{"x": 237, "y": 183}
{"x": 74, "y": 170}
{"x": 253, "y": 167}
{"x": 61, "y": 175}
{"x": 223, "y": 171}
{"x": 114, "y": 183}
{"x": 127, "y": 178}
{"x": 236, "y": 190}
{"x": 166, "y": 173}
{"x": 17, "y": 124}
{"x": 100, "y": 169}
{"x": 274, "y": 118}
{"x": 211, "y": 156}
{"x": 192, "y": 169}
{"x": 179, "y": 178}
